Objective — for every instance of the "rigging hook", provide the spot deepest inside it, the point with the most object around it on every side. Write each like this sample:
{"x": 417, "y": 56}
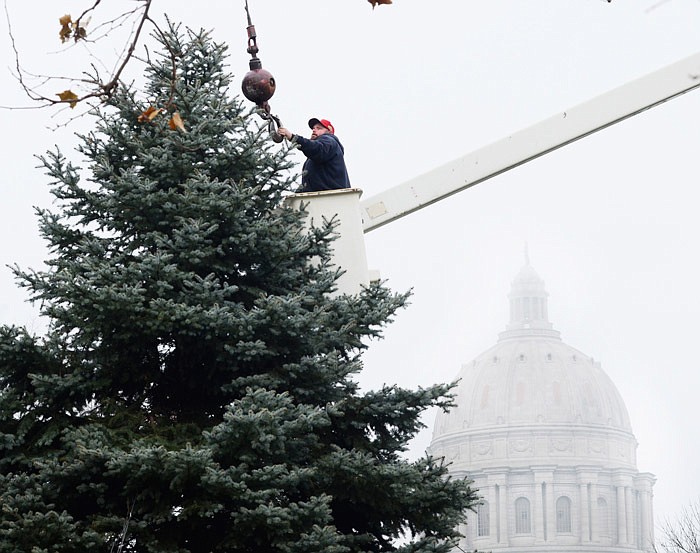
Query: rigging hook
{"x": 258, "y": 84}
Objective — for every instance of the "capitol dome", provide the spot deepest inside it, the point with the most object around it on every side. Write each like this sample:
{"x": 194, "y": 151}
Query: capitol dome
{"x": 546, "y": 437}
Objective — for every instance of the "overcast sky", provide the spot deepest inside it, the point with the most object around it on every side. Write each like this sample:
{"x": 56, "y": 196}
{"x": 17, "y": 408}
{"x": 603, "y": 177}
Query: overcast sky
{"x": 611, "y": 221}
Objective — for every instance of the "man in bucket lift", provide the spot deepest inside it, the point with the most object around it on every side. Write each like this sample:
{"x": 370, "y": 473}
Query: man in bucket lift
{"x": 324, "y": 168}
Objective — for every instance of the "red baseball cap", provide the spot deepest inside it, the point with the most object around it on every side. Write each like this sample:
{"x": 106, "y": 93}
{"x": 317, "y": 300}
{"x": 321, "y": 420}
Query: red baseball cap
{"x": 323, "y": 122}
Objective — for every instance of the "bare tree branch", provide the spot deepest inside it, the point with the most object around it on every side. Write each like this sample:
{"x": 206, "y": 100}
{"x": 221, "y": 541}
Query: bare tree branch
{"x": 109, "y": 87}
{"x": 97, "y": 88}
{"x": 94, "y": 87}
{"x": 683, "y": 534}
{"x": 18, "y": 67}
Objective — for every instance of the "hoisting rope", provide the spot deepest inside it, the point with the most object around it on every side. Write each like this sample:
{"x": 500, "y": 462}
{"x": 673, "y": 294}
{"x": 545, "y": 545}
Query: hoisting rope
{"x": 259, "y": 84}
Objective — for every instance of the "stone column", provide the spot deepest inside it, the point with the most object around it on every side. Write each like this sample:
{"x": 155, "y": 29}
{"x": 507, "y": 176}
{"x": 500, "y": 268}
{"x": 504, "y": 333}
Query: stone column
{"x": 551, "y": 509}
{"x": 585, "y": 519}
{"x": 537, "y": 512}
{"x": 493, "y": 514}
{"x": 647, "y": 519}
{"x": 644, "y": 518}
{"x": 498, "y": 512}
{"x": 587, "y": 504}
{"x": 545, "y": 525}
{"x": 621, "y": 518}
{"x": 629, "y": 510}
{"x": 504, "y": 534}
{"x": 595, "y": 515}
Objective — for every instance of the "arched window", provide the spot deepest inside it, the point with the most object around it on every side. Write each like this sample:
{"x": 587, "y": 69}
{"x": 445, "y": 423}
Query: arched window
{"x": 522, "y": 516}
{"x": 563, "y": 515}
{"x": 603, "y": 518}
{"x": 483, "y": 519}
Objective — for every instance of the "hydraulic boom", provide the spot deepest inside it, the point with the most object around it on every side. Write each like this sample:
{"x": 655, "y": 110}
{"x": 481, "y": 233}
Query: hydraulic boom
{"x": 530, "y": 143}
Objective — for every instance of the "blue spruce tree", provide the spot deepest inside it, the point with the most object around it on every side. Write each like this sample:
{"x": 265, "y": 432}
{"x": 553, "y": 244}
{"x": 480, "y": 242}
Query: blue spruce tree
{"x": 194, "y": 391}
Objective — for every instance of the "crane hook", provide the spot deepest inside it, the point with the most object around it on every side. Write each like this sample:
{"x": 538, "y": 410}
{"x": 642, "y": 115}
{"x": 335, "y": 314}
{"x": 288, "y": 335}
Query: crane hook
{"x": 258, "y": 84}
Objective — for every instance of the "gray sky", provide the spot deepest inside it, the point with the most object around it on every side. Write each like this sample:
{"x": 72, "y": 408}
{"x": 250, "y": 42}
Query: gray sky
{"x": 611, "y": 221}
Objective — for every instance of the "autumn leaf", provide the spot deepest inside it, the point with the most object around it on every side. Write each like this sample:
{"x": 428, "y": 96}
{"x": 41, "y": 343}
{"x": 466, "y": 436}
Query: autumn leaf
{"x": 72, "y": 29}
{"x": 79, "y": 33}
{"x": 149, "y": 115}
{"x": 176, "y": 122}
{"x": 380, "y": 2}
{"x": 80, "y": 28}
{"x": 66, "y": 30}
{"x": 68, "y": 96}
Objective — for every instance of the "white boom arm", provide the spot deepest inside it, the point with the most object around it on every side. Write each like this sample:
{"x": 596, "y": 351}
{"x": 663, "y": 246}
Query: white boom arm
{"x": 548, "y": 135}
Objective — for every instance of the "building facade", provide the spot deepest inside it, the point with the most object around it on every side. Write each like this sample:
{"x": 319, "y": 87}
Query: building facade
{"x": 546, "y": 437}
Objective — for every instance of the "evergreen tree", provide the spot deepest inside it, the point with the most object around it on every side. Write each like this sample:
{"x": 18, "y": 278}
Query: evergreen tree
{"x": 194, "y": 391}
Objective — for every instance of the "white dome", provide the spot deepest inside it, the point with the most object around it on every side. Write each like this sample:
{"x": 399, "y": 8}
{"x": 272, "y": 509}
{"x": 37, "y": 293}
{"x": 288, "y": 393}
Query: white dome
{"x": 538, "y": 423}
{"x": 527, "y": 387}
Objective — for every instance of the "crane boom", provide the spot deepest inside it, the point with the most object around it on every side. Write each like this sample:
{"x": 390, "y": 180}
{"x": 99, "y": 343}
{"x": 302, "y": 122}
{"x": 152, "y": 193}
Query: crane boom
{"x": 530, "y": 143}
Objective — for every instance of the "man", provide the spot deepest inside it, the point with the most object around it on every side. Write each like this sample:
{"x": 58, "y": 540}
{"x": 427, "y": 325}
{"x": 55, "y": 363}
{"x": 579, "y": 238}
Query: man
{"x": 324, "y": 168}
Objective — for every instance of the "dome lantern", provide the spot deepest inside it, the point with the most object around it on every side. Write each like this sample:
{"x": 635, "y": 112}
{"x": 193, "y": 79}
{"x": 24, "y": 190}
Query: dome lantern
{"x": 529, "y": 312}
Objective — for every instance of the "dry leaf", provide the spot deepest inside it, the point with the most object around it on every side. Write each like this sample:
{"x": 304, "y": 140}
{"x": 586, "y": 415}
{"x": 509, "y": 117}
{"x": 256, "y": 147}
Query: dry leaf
{"x": 72, "y": 29}
{"x": 66, "y": 30}
{"x": 149, "y": 115}
{"x": 80, "y": 28}
{"x": 79, "y": 33}
{"x": 68, "y": 96}
{"x": 380, "y": 2}
{"x": 176, "y": 122}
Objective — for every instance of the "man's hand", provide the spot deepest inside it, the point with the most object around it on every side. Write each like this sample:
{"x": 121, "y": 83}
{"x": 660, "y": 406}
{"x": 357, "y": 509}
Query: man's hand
{"x": 285, "y": 132}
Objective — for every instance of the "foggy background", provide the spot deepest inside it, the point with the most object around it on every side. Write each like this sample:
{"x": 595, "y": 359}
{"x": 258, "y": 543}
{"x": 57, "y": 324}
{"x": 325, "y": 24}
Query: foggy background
{"x": 611, "y": 221}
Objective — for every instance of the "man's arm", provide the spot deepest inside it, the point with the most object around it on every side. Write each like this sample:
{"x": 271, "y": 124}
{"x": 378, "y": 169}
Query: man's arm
{"x": 321, "y": 149}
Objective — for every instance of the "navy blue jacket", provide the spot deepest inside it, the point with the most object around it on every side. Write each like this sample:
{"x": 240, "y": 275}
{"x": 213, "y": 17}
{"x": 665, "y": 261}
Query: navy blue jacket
{"x": 325, "y": 167}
